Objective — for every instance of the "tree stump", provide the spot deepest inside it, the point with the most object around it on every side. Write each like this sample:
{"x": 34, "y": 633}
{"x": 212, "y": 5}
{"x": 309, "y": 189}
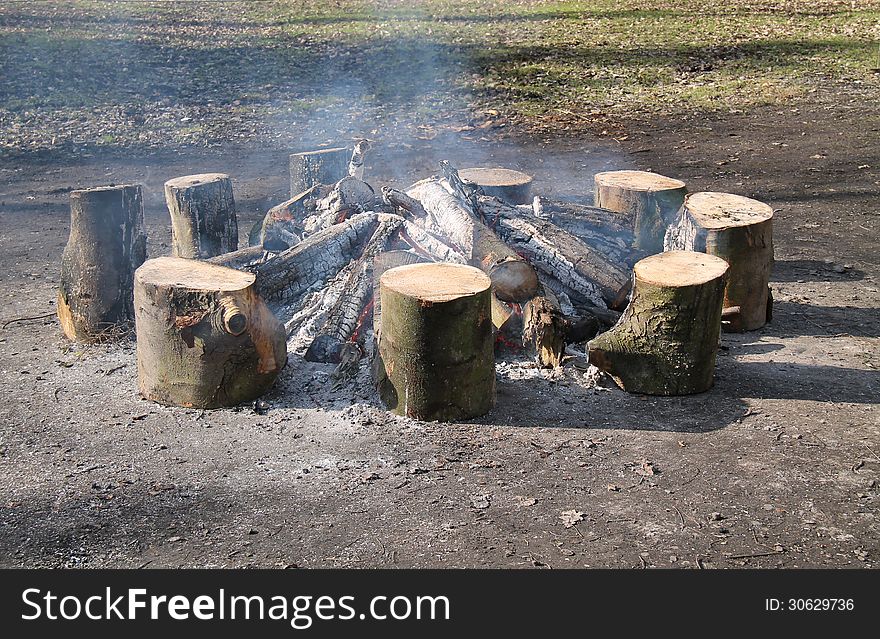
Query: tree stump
{"x": 667, "y": 338}
{"x": 740, "y": 231}
{"x": 107, "y": 243}
{"x": 309, "y": 168}
{"x": 436, "y": 357}
{"x": 513, "y": 187}
{"x": 203, "y": 220}
{"x": 205, "y": 339}
{"x": 649, "y": 203}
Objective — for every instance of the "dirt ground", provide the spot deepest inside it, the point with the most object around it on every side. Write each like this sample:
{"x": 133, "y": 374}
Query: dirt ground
{"x": 776, "y": 466}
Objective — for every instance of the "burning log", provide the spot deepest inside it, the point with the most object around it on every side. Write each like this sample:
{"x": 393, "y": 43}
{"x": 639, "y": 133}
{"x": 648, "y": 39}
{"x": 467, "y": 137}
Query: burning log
{"x": 599, "y": 228}
{"x": 556, "y": 252}
{"x": 667, "y": 338}
{"x": 352, "y": 309}
{"x": 648, "y": 201}
{"x": 326, "y": 166}
{"x": 406, "y": 205}
{"x": 205, "y": 339}
{"x": 513, "y": 279}
{"x": 740, "y": 231}
{"x": 436, "y": 358}
{"x": 285, "y": 220}
{"x": 314, "y": 260}
{"x": 107, "y": 243}
{"x": 203, "y": 220}
{"x": 513, "y": 187}
{"x": 428, "y": 245}
{"x": 348, "y": 197}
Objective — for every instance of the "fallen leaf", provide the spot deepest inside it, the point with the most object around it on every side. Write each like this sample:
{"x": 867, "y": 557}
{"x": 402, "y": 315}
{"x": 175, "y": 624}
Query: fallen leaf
{"x": 571, "y": 517}
{"x": 480, "y": 502}
{"x": 646, "y": 469}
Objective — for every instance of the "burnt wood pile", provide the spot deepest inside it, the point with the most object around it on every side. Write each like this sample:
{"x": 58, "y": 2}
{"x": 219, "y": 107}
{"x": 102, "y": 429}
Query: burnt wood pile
{"x": 557, "y": 273}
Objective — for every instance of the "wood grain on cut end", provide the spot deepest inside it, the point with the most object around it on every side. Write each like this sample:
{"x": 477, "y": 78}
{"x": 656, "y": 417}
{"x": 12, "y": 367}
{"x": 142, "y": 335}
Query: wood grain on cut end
{"x": 436, "y": 282}
{"x": 508, "y": 184}
{"x": 680, "y": 268}
{"x": 338, "y": 149}
{"x": 724, "y": 210}
{"x": 188, "y": 181}
{"x": 193, "y": 275}
{"x": 638, "y": 180}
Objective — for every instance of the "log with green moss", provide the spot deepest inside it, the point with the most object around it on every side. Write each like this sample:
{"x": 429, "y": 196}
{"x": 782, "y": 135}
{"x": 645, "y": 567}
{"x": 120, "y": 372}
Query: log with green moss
{"x": 667, "y": 338}
{"x": 436, "y": 352}
{"x": 205, "y": 338}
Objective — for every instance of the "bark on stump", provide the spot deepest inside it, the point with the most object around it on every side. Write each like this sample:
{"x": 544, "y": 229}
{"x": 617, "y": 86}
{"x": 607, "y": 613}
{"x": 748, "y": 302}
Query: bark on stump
{"x": 203, "y": 219}
{"x": 513, "y": 187}
{"x": 648, "y": 201}
{"x": 326, "y": 166}
{"x": 205, "y": 339}
{"x": 667, "y": 338}
{"x": 740, "y": 231}
{"x": 107, "y": 243}
{"x": 436, "y": 357}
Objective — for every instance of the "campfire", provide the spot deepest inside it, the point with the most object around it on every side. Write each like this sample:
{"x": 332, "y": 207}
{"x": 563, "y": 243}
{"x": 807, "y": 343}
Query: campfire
{"x": 459, "y": 260}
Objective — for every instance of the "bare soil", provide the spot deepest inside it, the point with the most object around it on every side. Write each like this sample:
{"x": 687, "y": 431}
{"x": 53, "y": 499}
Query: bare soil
{"x": 777, "y": 465}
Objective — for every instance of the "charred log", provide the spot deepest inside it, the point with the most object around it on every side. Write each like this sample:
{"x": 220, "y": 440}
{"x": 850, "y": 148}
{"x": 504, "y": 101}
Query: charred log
{"x": 107, "y": 243}
{"x": 513, "y": 279}
{"x": 556, "y": 252}
{"x": 352, "y": 310}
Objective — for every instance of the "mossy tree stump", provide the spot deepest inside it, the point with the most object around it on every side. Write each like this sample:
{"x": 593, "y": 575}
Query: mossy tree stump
{"x": 107, "y": 243}
{"x": 436, "y": 351}
{"x": 203, "y": 218}
{"x": 205, "y": 339}
{"x": 740, "y": 231}
{"x": 648, "y": 202}
{"x": 513, "y": 187}
{"x": 667, "y": 338}
{"x": 325, "y": 166}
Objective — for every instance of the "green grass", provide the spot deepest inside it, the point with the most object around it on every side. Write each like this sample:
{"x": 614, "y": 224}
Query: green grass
{"x": 534, "y": 62}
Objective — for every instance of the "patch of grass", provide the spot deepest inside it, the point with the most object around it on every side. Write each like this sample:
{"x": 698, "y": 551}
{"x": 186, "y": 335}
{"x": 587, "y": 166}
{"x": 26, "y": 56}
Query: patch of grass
{"x": 523, "y": 58}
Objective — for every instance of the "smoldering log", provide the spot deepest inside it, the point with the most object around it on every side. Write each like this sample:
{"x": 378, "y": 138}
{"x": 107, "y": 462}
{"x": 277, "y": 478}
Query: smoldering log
{"x": 590, "y": 224}
{"x": 558, "y": 253}
{"x": 428, "y": 245}
{"x": 314, "y": 260}
{"x": 513, "y": 279}
{"x": 544, "y": 328}
{"x": 348, "y": 197}
{"x": 352, "y": 309}
{"x": 409, "y": 206}
{"x": 107, "y": 243}
{"x": 356, "y": 163}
